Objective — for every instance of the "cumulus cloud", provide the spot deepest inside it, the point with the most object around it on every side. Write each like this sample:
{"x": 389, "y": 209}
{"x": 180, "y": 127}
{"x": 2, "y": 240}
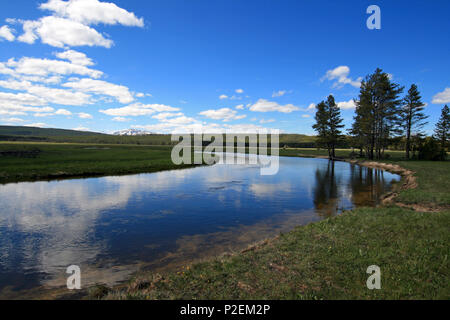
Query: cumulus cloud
{"x": 60, "y": 96}
{"x": 60, "y": 32}
{"x": 83, "y": 115}
{"x": 138, "y": 109}
{"x": 92, "y": 12}
{"x": 442, "y": 97}
{"x": 340, "y": 75}
{"x": 70, "y": 23}
{"x": 81, "y": 128}
{"x": 77, "y": 58}
{"x": 120, "y": 119}
{"x": 20, "y": 99}
{"x": 45, "y": 67}
{"x": 13, "y": 120}
{"x": 7, "y": 34}
{"x": 224, "y": 114}
{"x": 311, "y": 107}
{"x": 166, "y": 115}
{"x": 266, "y": 121}
{"x": 120, "y": 93}
{"x": 263, "y": 105}
{"x": 63, "y": 112}
{"x": 37, "y": 125}
{"x": 240, "y": 107}
{"x": 223, "y": 97}
{"x": 347, "y": 105}
{"x": 240, "y": 91}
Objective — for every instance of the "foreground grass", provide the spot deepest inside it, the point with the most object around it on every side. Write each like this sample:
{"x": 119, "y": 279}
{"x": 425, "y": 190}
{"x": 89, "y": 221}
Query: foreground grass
{"x": 39, "y": 161}
{"x": 324, "y": 260}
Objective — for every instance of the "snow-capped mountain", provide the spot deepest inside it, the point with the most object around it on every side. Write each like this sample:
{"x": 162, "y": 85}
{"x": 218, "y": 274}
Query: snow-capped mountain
{"x": 131, "y": 132}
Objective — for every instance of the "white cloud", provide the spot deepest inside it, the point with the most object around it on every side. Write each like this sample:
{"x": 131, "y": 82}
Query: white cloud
{"x": 45, "y": 67}
{"x": 60, "y": 32}
{"x": 5, "y": 70}
{"x": 240, "y": 91}
{"x": 71, "y": 21}
{"x": 60, "y": 96}
{"x": 240, "y": 107}
{"x": 84, "y": 115}
{"x": 37, "y": 125}
{"x": 120, "y": 119}
{"x": 442, "y": 97}
{"x": 77, "y": 58}
{"x": 81, "y": 128}
{"x": 63, "y": 112}
{"x": 306, "y": 116}
{"x": 223, "y": 97}
{"x": 165, "y": 115}
{"x": 138, "y": 109}
{"x": 311, "y": 107}
{"x": 7, "y": 34}
{"x": 121, "y": 93}
{"x": 347, "y": 105}
{"x": 20, "y": 99}
{"x": 266, "y": 121}
{"x": 162, "y": 108}
{"x": 279, "y": 93}
{"x": 179, "y": 120}
{"x": 263, "y": 105}
{"x": 340, "y": 74}
{"x": 224, "y": 114}
{"x": 92, "y": 12}
{"x": 13, "y": 120}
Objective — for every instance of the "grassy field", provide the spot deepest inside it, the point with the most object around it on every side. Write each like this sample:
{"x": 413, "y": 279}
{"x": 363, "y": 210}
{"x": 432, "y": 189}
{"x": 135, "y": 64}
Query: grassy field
{"x": 40, "y": 161}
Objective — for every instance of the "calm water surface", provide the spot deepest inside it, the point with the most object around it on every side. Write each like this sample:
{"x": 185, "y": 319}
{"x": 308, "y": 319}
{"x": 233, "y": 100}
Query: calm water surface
{"x": 114, "y": 226}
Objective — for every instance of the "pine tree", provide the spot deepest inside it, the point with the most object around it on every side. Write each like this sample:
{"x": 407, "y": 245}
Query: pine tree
{"x": 321, "y": 126}
{"x": 377, "y": 112}
{"x": 328, "y": 125}
{"x": 334, "y": 124}
{"x": 411, "y": 117}
{"x": 442, "y": 130}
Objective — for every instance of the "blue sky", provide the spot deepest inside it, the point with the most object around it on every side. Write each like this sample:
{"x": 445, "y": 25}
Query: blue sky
{"x": 166, "y": 66}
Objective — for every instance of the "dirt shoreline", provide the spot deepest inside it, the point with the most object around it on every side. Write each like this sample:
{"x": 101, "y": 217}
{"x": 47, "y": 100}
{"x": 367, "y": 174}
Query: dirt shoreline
{"x": 409, "y": 181}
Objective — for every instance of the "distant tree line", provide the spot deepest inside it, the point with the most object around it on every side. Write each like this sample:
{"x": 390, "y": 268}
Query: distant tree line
{"x": 382, "y": 119}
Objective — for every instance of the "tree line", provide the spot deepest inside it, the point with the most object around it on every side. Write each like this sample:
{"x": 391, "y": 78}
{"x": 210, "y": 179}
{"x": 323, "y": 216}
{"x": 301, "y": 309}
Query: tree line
{"x": 382, "y": 114}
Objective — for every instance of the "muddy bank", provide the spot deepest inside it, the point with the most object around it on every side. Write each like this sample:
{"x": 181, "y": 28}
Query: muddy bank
{"x": 409, "y": 181}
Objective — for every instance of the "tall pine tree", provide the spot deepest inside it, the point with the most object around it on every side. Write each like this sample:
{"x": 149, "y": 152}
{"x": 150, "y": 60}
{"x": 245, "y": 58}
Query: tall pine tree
{"x": 334, "y": 124}
{"x": 328, "y": 125}
{"x": 442, "y": 130}
{"x": 377, "y": 112}
{"x": 411, "y": 116}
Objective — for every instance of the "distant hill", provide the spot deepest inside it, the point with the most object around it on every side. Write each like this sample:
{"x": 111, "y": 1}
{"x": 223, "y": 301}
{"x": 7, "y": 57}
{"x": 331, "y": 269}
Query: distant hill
{"x": 129, "y": 136}
{"x": 42, "y": 132}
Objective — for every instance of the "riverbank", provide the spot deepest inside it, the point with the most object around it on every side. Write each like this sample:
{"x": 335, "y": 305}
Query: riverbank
{"x": 48, "y": 161}
{"x": 329, "y": 259}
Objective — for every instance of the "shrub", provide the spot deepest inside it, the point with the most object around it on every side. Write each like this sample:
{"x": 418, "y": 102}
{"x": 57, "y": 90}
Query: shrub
{"x": 431, "y": 150}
